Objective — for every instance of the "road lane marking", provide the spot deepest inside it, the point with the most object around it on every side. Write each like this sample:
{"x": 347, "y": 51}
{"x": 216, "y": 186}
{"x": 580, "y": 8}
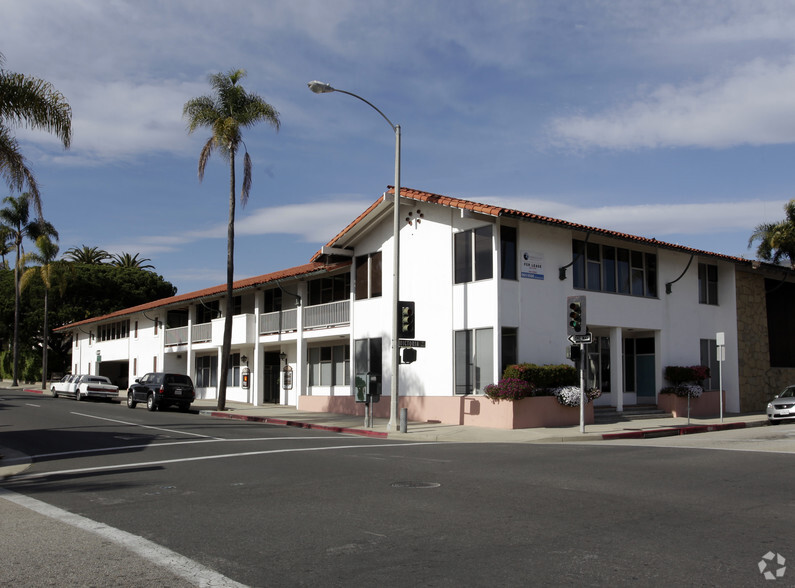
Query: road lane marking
{"x": 91, "y": 416}
{"x": 204, "y": 457}
{"x": 33, "y": 405}
{"x": 63, "y": 454}
{"x": 184, "y": 567}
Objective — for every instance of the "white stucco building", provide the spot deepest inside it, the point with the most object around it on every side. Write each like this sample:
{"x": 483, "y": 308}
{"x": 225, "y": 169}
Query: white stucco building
{"x": 490, "y": 287}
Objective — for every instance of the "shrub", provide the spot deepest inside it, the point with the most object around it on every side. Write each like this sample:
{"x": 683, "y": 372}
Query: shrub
{"x": 681, "y": 374}
{"x": 544, "y": 377}
{"x": 509, "y": 389}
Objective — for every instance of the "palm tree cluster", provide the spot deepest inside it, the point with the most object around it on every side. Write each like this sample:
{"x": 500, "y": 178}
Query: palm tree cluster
{"x": 777, "y": 240}
{"x": 96, "y": 256}
{"x": 226, "y": 113}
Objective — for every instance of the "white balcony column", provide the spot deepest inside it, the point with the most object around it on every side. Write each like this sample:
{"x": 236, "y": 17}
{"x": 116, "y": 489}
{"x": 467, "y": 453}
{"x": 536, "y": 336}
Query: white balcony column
{"x": 191, "y": 357}
{"x": 256, "y": 385}
{"x": 299, "y": 370}
{"x": 617, "y": 366}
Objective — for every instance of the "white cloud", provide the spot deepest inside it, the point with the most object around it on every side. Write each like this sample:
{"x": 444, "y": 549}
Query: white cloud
{"x": 313, "y": 222}
{"x": 752, "y": 105}
{"x": 656, "y": 220}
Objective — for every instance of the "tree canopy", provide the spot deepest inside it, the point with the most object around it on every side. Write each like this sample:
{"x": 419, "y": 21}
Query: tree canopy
{"x": 776, "y": 240}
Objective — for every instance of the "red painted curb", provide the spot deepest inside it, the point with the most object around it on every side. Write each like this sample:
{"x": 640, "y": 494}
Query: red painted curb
{"x": 670, "y": 432}
{"x": 300, "y": 425}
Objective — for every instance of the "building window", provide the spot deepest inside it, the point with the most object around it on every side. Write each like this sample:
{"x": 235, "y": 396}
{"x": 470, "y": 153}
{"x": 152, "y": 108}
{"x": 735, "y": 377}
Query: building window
{"x": 272, "y": 301}
{"x": 709, "y": 358}
{"x": 367, "y": 359}
{"x": 113, "y": 331}
{"x": 233, "y": 373}
{"x": 473, "y": 255}
{"x": 135, "y": 366}
{"x": 368, "y": 276}
{"x": 474, "y": 360}
{"x": 510, "y": 347}
{"x": 330, "y": 289}
{"x": 329, "y": 366}
{"x": 707, "y": 284}
{"x": 508, "y": 253}
{"x": 237, "y": 305}
{"x": 206, "y": 371}
{"x": 207, "y": 311}
{"x": 603, "y": 268}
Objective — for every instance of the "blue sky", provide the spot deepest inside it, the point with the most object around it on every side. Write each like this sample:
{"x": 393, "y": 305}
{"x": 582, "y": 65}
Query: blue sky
{"x": 672, "y": 120}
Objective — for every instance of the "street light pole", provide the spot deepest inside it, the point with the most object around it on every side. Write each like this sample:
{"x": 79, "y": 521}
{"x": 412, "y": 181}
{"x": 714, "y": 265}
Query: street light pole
{"x": 323, "y": 88}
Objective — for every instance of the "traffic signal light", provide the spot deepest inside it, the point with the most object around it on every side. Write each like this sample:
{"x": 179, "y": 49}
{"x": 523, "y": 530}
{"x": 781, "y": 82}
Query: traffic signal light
{"x": 406, "y": 319}
{"x": 575, "y": 315}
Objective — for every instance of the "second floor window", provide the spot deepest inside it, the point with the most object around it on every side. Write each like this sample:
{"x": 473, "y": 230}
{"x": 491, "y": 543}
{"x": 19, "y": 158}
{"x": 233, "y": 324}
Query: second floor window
{"x": 707, "y": 283}
{"x": 330, "y": 289}
{"x": 604, "y": 268}
{"x": 473, "y": 255}
{"x": 368, "y": 276}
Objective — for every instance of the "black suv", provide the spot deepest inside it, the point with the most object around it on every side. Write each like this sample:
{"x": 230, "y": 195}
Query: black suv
{"x": 161, "y": 389}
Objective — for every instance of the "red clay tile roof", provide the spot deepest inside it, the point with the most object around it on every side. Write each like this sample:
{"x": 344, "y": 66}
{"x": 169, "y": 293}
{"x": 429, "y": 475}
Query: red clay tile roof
{"x": 497, "y": 211}
{"x": 294, "y": 272}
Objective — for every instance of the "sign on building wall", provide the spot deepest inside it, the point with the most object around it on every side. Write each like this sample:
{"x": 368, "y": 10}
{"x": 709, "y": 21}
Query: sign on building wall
{"x": 533, "y": 265}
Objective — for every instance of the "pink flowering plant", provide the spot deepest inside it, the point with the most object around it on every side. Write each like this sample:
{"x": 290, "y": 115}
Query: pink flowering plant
{"x": 509, "y": 389}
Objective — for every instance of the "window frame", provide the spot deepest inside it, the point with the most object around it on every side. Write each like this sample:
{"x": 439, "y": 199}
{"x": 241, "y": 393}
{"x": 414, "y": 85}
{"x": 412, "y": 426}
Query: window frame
{"x": 473, "y": 255}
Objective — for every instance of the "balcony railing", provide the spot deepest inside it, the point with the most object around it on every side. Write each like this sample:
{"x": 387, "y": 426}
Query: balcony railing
{"x": 177, "y": 336}
{"x": 319, "y": 316}
{"x": 278, "y": 322}
{"x": 202, "y": 333}
{"x": 327, "y": 315}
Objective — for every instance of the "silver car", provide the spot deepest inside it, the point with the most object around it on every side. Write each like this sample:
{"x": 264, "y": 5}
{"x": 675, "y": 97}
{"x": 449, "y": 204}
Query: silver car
{"x": 782, "y": 407}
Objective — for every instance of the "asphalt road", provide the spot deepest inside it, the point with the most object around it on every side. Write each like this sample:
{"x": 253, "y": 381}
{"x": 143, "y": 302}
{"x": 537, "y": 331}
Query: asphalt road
{"x": 266, "y": 505}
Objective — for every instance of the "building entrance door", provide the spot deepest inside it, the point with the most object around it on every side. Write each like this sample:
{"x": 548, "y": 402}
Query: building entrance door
{"x": 270, "y": 377}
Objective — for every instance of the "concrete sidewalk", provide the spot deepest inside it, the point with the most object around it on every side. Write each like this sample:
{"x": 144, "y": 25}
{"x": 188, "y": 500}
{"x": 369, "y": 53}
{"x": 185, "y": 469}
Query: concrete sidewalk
{"x": 418, "y": 431}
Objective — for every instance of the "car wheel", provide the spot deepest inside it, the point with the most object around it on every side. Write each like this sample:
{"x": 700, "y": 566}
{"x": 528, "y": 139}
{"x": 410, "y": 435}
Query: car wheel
{"x": 184, "y": 407}
{"x": 53, "y": 393}
{"x": 77, "y": 395}
{"x": 130, "y": 402}
{"x": 150, "y": 402}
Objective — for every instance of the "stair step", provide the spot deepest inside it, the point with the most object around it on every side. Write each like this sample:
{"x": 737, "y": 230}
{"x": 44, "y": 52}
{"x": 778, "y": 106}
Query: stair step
{"x": 608, "y": 414}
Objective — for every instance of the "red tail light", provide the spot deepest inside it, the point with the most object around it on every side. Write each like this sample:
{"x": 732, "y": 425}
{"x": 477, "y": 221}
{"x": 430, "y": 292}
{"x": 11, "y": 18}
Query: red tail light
{"x": 162, "y": 390}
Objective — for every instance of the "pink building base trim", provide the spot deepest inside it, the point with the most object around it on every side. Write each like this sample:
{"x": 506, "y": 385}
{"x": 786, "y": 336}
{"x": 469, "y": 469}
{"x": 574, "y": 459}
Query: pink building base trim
{"x": 705, "y": 406}
{"x": 476, "y": 411}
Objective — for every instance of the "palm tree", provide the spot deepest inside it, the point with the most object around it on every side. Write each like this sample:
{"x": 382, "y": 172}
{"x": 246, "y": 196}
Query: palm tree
{"x": 226, "y": 113}
{"x": 50, "y": 271}
{"x": 86, "y": 254}
{"x": 776, "y": 240}
{"x": 131, "y": 261}
{"x": 29, "y": 102}
{"x": 6, "y": 245}
{"x": 17, "y": 218}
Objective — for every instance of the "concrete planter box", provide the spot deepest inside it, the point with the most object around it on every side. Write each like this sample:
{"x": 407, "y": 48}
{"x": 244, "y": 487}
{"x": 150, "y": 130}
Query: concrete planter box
{"x": 476, "y": 411}
{"x": 705, "y": 406}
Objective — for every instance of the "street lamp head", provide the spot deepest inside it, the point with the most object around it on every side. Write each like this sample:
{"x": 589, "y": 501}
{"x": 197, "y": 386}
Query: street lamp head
{"x": 320, "y": 87}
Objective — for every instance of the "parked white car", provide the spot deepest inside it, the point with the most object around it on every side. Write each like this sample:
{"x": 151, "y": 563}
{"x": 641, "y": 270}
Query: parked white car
{"x": 65, "y": 385}
{"x": 84, "y": 386}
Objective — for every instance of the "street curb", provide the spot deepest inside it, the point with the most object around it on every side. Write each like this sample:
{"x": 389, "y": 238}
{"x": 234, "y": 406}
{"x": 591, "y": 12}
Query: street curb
{"x": 298, "y": 424}
{"x": 683, "y": 430}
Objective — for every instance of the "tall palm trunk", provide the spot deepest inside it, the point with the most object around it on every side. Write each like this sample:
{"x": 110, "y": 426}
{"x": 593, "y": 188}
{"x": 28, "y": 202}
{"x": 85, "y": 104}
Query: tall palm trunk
{"x": 226, "y": 347}
{"x": 46, "y": 338}
{"x": 15, "y": 376}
